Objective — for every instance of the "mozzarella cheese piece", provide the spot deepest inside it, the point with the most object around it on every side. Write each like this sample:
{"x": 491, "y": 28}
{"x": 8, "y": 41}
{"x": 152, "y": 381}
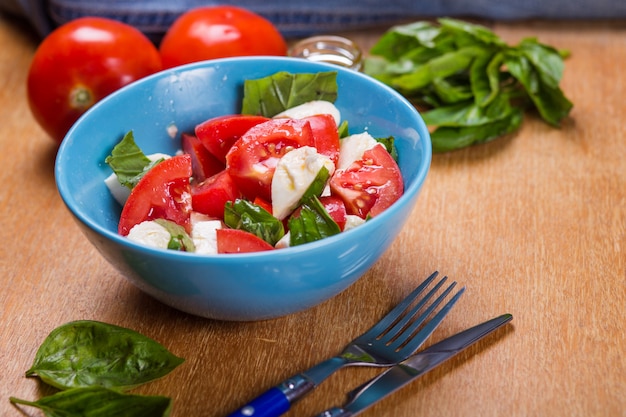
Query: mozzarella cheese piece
{"x": 119, "y": 192}
{"x": 295, "y": 172}
{"x": 353, "y": 147}
{"x": 150, "y": 233}
{"x": 204, "y": 236}
{"x": 284, "y": 241}
{"x": 353, "y": 221}
{"x": 312, "y": 108}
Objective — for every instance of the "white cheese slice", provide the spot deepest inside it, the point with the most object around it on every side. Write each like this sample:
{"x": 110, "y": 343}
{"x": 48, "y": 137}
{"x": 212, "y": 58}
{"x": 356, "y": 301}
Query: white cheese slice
{"x": 150, "y": 233}
{"x": 284, "y": 241}
{"x": 353, "y": 147}
{"x": 312, "y": 108}
{"x": 119, "y": 192}
{"x": 204, "y": 235}
{"x": 295, "y": 172}
{"x": 353, "y": 221}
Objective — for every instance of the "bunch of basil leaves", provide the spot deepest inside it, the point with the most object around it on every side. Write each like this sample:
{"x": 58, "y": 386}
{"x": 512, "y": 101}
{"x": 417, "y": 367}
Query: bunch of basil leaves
{"x": 473, "y": 86}
{"x": 93, "y": 364}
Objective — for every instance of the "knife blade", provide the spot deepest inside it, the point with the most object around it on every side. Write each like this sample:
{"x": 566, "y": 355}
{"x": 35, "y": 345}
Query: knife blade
{"x": 417, "y": 365}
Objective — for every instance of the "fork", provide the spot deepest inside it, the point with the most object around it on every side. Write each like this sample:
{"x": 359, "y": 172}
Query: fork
{"x": 393, "y": 339}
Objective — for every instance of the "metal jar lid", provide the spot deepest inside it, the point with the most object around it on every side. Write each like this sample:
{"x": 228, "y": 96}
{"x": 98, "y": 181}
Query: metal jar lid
{"x": 330, "y": 49}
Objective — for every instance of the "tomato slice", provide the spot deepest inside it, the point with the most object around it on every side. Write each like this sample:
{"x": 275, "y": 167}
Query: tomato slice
{"x": 252, "y": 159}
{"x": 336, "y": 209}
{"x": 210, "y": 196}
{"x": 325, "y": 135}
{"x": 162, "y": 193}
{"x": 220, "y": 133}
{"x": 369, "y": 185}
{"x": 240, "y": 241}
{"x": 203, "y": 163}
{"x": 264, "y": 204}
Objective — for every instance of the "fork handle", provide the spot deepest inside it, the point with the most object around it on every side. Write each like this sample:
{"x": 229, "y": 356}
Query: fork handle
{"x": 276, "y": 401}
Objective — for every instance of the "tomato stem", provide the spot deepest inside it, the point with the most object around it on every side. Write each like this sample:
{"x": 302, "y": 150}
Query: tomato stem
{"x": 81, "y": 98}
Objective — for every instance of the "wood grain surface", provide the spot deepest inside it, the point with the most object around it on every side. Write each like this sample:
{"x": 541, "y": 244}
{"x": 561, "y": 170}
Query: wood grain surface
{"x": 533, "y": 224}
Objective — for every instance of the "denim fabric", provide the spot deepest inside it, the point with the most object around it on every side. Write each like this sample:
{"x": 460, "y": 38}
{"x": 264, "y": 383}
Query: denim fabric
{"x": 300, "y": 18}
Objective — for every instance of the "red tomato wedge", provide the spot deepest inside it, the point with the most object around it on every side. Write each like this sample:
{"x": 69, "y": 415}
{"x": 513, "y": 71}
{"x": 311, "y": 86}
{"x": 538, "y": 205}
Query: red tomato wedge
{"x": 218, "y": 134}
{"x": 240, "y": 241}
{"x": 336, "y": 209}
{"x": 325, "y": 135}
{"x": 264, "y": 204}
{"x": 203, "y": 163}
{"x": 252, "y": 159}
{"x": 163, "y": 193}
{"x": 370, "y": 185}
{"x": 210, "y": 196}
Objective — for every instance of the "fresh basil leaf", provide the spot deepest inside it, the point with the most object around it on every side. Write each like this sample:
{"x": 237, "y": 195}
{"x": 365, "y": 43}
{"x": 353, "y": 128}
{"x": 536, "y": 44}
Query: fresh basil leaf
{"x": 318, "y": 185}
{"x": 468, "y": 113}
{"x": 311, "y": 223}
{"x": 400, "y": 40}
{"x": 271, "y": 95}
{"x": 470, "y": 34}
{"x": 551, "y": 103}
{"x": 88, "y": 353}
{"x": 465, "y": 78}
{"x": 389, "y": 144}
{"x": 179, "y": 238}
{"x": 99, "y": 402}
{"x": 485, "y": 77}
{"x": 547, "y": 61}
{"x": 449, "y": 90}
{"x": 244, "y": 215}
{"x": 442, "y": 66}
{"x": 445, "y": 139}
{"x": 343, "y": 129}
{"x": 128, "y": 161}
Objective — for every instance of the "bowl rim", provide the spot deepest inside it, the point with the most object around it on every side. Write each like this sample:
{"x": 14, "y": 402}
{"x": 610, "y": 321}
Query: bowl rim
{"x": 408, "y": 195}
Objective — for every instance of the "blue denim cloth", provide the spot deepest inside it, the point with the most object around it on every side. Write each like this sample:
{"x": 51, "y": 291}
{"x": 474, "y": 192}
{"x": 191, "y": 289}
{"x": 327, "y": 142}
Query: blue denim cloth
{"x": 302, "y": 18}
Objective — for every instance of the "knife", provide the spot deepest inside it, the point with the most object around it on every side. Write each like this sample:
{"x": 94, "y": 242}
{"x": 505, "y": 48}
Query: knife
{"x": 401, "y": 374}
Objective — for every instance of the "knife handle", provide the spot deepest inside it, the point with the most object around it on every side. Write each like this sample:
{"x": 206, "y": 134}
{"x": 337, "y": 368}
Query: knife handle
{"x": 276, "y": 401}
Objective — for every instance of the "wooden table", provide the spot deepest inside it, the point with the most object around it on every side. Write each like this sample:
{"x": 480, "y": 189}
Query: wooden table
{"x": 533, "y": 224}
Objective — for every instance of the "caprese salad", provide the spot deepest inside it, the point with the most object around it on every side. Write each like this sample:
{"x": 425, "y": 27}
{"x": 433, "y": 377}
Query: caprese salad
{"x": 274, "y": 176}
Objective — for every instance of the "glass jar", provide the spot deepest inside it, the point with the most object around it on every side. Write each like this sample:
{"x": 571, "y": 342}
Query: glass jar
{"x": 330, "y": 49}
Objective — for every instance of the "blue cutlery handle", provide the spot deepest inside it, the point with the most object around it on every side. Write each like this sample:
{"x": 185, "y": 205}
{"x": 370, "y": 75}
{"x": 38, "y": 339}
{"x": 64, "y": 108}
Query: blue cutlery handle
{"x": 272, "y": 403}
{"x": 276, "y": 401}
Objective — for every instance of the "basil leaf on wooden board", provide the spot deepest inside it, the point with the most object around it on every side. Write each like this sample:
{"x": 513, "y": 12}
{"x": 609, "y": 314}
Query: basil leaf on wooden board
{"x": 468, "y": 81}
{"x": 276, "y": 93}
{"x": 446, "y": 138}
{"x": 99, "y": 402}
{"x": 549, "y": 100}
{"x": 89, "y": 353}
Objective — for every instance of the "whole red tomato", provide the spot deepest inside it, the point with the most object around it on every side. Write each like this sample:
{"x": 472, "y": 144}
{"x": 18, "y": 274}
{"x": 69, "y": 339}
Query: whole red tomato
{"x": 219, "y": 32}
{"x": 80, "y": 63}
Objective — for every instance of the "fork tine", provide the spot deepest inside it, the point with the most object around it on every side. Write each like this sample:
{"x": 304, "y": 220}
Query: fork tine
{"x": 393, "y": 315}
{"x": 392, "y": 333}
{"x": 396, "y": 336}
{"x": 416, "y": 340}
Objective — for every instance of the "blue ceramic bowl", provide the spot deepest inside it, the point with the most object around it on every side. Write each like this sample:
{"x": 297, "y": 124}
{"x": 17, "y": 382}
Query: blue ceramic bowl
{"x": 240, "y": 287}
